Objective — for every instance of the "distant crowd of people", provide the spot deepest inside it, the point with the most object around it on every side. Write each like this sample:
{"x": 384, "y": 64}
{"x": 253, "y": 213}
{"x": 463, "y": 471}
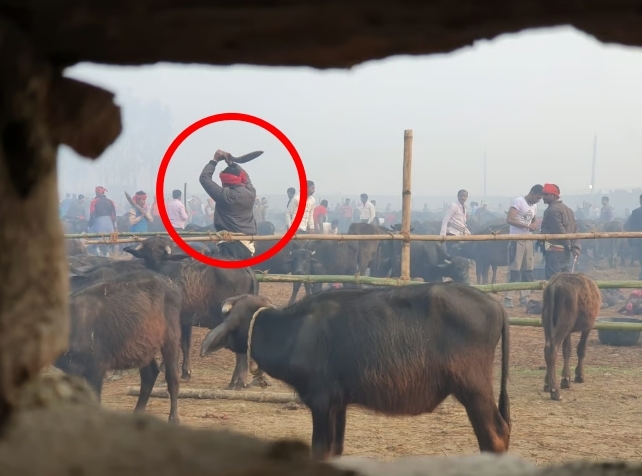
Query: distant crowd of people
{"x": 557, "y": 219}
{"x": 234, "y": 207}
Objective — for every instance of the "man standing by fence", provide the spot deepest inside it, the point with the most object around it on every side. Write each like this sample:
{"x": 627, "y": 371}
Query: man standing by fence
{"x": 522, "y": 218}
{"x": 367, "y": 211}
{"x": 558, "y": 219}
{"x": 176, "y": 211}
{"x": 454, "y": 222}
{"x": 634, "y": 223}
{"x": 307, "y": 223}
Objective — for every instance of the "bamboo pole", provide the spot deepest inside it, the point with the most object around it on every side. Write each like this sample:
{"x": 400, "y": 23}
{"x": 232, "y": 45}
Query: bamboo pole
{"x": 142, "y": 234}
{"x": 490, "y": 288}
{"x": 248, "y": 396}
{"x": 406, "y": 203}
{"x": 201, "y": 236}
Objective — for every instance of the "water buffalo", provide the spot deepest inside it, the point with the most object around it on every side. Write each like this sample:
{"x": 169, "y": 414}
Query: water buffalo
{"x": 203, "y": 288}
{"x": 122, "y": 324}
{"x": 303, "y": 263}
{"x": 398, "y": 351}
{"x": 429, "y": 261}
{"x": 570, "y": 304}
{"x": 486, "y": 254}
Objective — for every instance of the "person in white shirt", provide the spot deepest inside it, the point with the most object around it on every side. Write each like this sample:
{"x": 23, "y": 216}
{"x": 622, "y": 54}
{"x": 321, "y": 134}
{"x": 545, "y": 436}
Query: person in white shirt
{"x": 454, "y": 222}
{"x": 307, "y": 223}
{"x": 176, "y": 211}
{"x": 522, "y": 218}
{"x": 367, "y": 211}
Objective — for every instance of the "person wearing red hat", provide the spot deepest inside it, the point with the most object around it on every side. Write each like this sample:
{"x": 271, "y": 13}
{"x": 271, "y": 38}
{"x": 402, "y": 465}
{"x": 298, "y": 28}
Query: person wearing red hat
{"x": 234, "y": 200}
{"x": 558, "y": 219}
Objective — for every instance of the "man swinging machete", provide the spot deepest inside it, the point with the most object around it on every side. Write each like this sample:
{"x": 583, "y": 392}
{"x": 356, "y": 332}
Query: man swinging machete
{"x": 234, "y": 201}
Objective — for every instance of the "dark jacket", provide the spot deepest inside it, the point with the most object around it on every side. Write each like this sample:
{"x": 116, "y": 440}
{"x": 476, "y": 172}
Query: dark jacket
{"x": 234, "y": 204}
{"x": 634, "y": 223}
{"x": 558, "y": 219}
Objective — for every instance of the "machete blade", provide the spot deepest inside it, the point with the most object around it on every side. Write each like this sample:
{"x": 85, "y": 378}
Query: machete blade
{"x": 247, "y": 157}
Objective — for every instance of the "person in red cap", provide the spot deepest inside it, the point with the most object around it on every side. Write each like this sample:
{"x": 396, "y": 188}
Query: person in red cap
{"x": 139, "y": 216}
{"x": 558, "y": 219}
{"x": 234, "y": 200}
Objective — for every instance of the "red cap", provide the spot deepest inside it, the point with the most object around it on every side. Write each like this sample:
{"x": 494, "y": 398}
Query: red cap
{"x": 552, "y": 189}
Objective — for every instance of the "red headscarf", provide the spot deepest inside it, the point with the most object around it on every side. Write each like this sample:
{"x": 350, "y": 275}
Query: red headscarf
{"x": 101, "y": 190}
{"x": 228, "y": 179}
{"x": 552, "y": 189}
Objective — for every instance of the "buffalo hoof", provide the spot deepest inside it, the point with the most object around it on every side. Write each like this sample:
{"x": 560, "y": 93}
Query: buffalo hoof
{"x": 238, "y": 385}
{"x": 565, "y": 383}
{"x": 579, "y": 379}
{"x": 555, "y": 395}
{"x": 117, "y": 375}
{"x": 260, "y": 383}
{"x": 185, "y": 377}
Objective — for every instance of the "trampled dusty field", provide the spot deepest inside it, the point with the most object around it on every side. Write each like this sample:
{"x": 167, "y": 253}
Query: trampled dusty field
{"x": 600, "y": 419}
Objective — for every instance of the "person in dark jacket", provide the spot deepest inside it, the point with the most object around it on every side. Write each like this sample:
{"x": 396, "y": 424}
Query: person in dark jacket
{"x": 634, "y": 223}
{"x": 558, "y": 219}
{"x": 234, "y": 204}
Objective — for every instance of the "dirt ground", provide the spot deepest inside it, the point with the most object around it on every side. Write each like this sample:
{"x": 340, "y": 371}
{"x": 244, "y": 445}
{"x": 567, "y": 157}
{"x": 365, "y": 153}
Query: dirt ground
{"x": 600, "y": 419}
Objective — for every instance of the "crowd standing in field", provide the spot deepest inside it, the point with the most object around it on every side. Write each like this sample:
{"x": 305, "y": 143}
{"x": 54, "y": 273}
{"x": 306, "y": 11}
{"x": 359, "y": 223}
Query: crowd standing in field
{"x": 373, "y": 347}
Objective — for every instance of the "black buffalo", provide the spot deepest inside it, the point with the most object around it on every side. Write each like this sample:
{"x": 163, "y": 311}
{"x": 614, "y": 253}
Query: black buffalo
{"x": 204, "y": 288}
{"x": 429, "y": 261}
{"x": 398, "y": 351}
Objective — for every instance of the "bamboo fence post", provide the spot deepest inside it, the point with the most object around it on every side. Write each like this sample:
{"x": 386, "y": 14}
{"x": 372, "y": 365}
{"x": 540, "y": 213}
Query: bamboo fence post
{"x": 185, "y": 194}
{"x": 406, "y": 204}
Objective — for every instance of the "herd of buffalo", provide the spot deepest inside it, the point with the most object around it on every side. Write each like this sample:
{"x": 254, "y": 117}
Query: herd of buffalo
{"x": 396, "y": 350}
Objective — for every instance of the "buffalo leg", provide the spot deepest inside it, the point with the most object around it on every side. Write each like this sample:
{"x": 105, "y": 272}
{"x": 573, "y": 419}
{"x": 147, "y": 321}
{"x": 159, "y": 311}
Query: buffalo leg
{"x": 494, "y": 274}
{"x": 308, "y": 288}
{"x": 550, "y": 384}
{"x": 95, "y": 378}
{"x": 566, "y": 371}
{"x": 169, "y": 350}
{"x": 295, "y": 290}
{"x": 492, "y": 432}
{"x": 148, "y": 375}
{"x": 581, "y": 353}
{"x": 186, "y": 344}
{"x": 239, "y": 376}
{"x": 339, "y": 431}
{"x": 322, "y": 431}
{"x": 485, "y": 270}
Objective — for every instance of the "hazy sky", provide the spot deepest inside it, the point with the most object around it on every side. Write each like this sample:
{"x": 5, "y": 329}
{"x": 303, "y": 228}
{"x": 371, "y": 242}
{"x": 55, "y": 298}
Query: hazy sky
{"x": 532, "y": 101}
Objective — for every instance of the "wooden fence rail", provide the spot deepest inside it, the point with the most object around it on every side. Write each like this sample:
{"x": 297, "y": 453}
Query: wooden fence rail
{"x": 491, "y": 288}
{"x": 104, "y": 238}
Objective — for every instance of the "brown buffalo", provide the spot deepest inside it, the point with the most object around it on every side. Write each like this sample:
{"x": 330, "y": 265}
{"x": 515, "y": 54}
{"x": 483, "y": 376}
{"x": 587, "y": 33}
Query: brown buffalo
{"x": 122, "y": 324}
{"x": 570, "y": 304}
{"x": 204, "y": 288}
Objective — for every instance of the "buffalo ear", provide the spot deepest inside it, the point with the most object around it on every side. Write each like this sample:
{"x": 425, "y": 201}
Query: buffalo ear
{"x": 215, "y": 339}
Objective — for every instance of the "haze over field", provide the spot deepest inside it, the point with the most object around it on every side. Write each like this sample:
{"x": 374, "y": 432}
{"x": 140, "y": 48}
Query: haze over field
{"x": 532, "y": 102}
